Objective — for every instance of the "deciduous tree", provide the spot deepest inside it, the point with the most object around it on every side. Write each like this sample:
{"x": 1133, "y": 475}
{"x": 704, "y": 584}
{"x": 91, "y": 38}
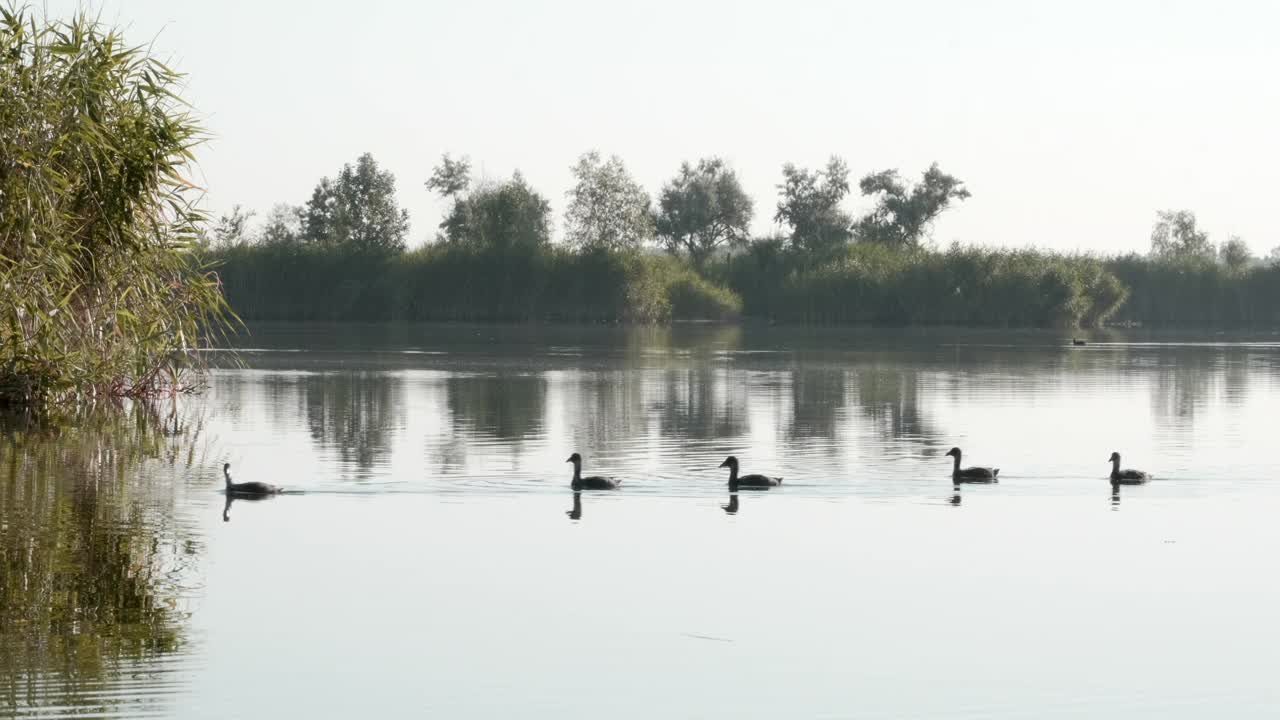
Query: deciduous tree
{"x": 809, "y": 203}
{"x": 607, "y": 208}
{"x": 904, "y": 213}
{"x": 357, "y": 209}
{"x": 703, "y": 208}
{"x": 1175, "y": 236}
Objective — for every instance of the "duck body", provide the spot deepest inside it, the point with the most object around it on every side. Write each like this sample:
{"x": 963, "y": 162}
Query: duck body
{"x": 594, "y": 482}
{"x": 971, "y": 474}
{"x": 754, "y": 481}
{"x": 590, "y": 482}
{"x": 1126, "y": 477}
{"x": 247, "y": 489}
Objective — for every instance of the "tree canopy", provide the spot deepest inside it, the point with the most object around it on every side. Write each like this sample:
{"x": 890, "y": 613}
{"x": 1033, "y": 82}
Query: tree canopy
{"x": 809, "y": 202}
{"x": 1234, "y": 253}
{"x": 703, "y": 208}
{"x": 607, "y": 208}
{"x": 904, "y": 213}
{"x": 493, "y": 216}
{"x": 1175, "y": 236}
{"x": 357, "y": 210}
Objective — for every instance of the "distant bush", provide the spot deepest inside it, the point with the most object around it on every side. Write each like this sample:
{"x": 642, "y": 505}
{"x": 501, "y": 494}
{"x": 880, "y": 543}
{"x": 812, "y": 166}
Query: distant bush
{"x": 452, "y": 281}
{"x": 877, "y": 285}
{"x": 866, "y": 284}
{"x": 1197, "y": 292}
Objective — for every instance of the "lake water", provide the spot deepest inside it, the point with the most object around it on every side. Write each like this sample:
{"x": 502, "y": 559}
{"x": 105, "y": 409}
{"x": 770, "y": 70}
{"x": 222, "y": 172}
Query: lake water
{"x": 435, "y": 563}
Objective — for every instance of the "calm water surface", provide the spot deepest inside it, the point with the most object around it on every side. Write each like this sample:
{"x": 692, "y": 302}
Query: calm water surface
{"x": 433, "y": 560}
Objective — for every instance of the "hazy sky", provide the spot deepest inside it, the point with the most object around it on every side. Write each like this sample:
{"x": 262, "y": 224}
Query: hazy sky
{"x": 1071, "y": 122}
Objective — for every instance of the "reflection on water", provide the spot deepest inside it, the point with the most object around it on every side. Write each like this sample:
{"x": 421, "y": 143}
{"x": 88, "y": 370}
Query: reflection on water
{"x": 732, "y": 507}
{"x": 354, "y": 413}
{"x": 432, "y": 459}
{"x": 232, "y": 498}
{"x": 97, "y": 560}
{"x": 468, "y": 408}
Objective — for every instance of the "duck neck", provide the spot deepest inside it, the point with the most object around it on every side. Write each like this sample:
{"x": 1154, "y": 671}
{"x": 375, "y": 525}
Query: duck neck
{"x": 227, "y": 474}
{"x": 1115, "y": 466}
{"x": 733, "y": 476}
{"x": 577, "y": 472}
{"x": 955, "y": 466}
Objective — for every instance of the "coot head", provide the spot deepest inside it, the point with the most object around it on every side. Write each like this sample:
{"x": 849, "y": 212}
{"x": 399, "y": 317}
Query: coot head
{"x": 1114, "y": 457}
{"x": 729, "y": 462}
{"x": 574, "y": 458}
{"x": 954, "y": 452}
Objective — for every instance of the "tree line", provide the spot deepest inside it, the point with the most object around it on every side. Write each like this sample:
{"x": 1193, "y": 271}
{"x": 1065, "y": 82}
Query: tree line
{"x": 701, "y": 211}
{"x": 494, "y": 257}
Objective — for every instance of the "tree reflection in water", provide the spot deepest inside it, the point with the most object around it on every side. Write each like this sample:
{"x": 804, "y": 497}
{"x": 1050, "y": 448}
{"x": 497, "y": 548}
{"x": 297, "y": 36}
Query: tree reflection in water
{"x": 93, "y": 557}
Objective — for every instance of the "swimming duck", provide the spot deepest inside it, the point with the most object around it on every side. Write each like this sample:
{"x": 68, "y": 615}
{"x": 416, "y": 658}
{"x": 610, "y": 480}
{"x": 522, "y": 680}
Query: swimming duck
{"x": 1125, "y": 477}
{"x": 593, "y": 482}
{"x": 971, "y": 474}
{"x": 747, "y": 481}
{"x": 246, "y": 488}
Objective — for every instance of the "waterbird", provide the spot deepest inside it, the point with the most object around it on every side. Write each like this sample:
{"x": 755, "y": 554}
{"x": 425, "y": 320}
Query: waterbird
{"x": 1125, "y": 477}
{"x": 747, "y": 481}
{"x": 971, "y": 474}
{"x": 591, "y": 482}
{"x": 247, "y": 488}
{"x": 1078, "y": 341}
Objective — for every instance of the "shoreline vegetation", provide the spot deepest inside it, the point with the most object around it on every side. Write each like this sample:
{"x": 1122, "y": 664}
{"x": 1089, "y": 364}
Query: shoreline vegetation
{"x": 686, "y": 254}
{"x": 869, "y": 286}
{"x": 112, "y": 279}
{"x": 102, "y": 294}
{"x": 279, "y": 276}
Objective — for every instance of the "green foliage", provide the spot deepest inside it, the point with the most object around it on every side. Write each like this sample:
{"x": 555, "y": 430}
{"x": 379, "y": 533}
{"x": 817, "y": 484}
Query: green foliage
{"x": 903, "y": 215}
{"x": 451, "y": 177}
{"x": 92, "y": 573}
{"x": 703, "y": 208}
{"x": 1176, "y": 237}
{"x": 692, "y": 296}
{"x": 607, "y": 208}
{"x": 232, "y": 229}
{"x": 809, "y": 202}
{"x": 499, "y": 216}
{"x": 282, "y": 226}
{"x": 1234, "y": 253}
{"x": 463, "y": 281}
{"x": 99, "y": 292}
{"x": 878, "y": 285}
{"x": 357, "y": 210}
{"x": 1196, "y": 292}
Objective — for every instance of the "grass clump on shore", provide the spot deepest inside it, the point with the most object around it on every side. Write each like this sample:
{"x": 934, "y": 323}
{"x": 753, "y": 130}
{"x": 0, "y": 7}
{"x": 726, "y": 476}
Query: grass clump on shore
{"x": 99, "y": 294}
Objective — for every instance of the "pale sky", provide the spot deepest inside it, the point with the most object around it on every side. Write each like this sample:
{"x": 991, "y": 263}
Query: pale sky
{"x": 1071, "y": 122}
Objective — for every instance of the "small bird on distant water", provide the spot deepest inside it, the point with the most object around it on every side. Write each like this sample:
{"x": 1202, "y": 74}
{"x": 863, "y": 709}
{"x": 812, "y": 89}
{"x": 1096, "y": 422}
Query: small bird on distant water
{"x": 971, "y": 474}
{"x": 1125, "y": 477}
{"x": 591, "y": 482}
{"x": 1078, "y": 341}
{"x": 747, "y": 481}
{"x": 247, "y": 488}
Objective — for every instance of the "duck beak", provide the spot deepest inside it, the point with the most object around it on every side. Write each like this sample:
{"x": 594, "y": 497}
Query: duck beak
{"x": 724, "y": 464}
